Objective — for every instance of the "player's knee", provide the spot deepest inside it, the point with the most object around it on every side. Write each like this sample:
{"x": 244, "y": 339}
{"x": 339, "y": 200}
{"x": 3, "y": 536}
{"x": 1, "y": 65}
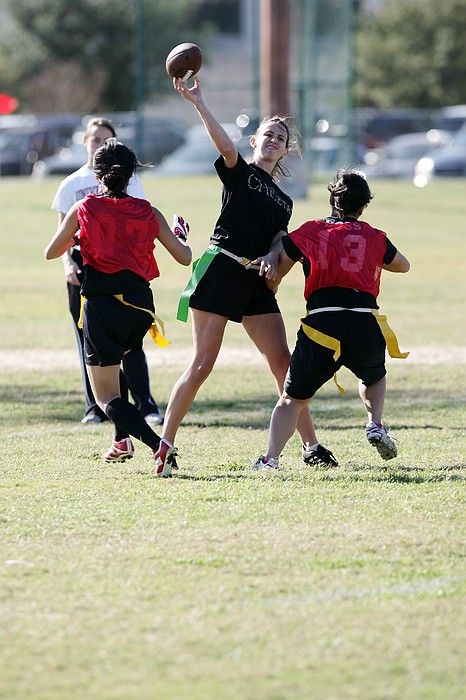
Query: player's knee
{"x": 199, "y": 371}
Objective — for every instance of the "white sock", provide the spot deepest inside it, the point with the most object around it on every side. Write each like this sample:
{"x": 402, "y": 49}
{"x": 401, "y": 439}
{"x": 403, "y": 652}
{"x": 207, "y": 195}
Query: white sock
{"x": 309, "y": 447}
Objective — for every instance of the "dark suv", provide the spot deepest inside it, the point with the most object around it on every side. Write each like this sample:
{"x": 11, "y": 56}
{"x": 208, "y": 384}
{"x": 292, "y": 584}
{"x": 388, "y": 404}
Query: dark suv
{"x": 32, "y": 139}
{"x": 373, "y": 127}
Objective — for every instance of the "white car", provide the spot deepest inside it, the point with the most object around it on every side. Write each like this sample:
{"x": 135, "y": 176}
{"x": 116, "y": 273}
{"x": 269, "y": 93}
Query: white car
{"x": 198, "y": 154}
{"x": 398, "y": 158}
{"x": 449, "y": 161}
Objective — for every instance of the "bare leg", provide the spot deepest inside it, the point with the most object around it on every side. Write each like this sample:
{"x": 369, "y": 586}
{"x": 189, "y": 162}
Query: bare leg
{"x": 267, "y": 331}
{"x": 208, "y": 331}
{"x": 105, "y": 383}
{"x": 373, "y": 398}
{"x": 283, "y": 423}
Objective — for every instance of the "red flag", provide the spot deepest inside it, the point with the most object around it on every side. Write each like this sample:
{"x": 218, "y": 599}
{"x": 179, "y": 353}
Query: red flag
{"x": 7, "y": 104}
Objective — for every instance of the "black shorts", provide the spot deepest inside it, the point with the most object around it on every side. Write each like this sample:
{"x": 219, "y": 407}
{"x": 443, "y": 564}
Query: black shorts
{"x": 229, "y": 289}
{"x": 362, "y": 352}
{"x": 111, "y": 328}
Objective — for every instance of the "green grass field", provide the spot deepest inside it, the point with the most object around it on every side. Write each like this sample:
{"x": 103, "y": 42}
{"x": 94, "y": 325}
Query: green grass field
{"x": 221, "y": 583}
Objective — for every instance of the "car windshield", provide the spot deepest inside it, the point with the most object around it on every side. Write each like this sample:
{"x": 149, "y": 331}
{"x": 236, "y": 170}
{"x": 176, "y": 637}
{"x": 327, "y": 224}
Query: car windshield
{"x": 9, "y": 140}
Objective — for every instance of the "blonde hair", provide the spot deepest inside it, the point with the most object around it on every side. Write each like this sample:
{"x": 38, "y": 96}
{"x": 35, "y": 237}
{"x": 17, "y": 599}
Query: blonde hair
{"x": 101, "y": 121}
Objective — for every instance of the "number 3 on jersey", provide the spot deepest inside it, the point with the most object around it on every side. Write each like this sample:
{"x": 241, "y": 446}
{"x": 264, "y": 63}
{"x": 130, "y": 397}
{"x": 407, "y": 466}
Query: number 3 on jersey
{"x": 355, "y": 246}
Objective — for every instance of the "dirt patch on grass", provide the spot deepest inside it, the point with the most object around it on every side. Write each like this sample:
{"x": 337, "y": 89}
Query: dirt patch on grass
{"x": 47, "y": 360}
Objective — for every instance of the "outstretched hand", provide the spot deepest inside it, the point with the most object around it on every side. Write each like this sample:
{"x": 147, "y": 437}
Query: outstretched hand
{"x": 193, "y": 94}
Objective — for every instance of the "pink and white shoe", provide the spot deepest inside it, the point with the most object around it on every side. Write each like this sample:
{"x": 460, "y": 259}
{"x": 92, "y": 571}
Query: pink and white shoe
{"x": 165, "y": 459}
{"x": 120, "y": 451}
{"x": 265, "y": 463}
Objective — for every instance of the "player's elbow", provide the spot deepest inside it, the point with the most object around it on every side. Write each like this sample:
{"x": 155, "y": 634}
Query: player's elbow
{"x": 185, "y": 256}
{"x": 406, "y": 266}
{"x": 402, "y": 264}
{"x": 398, "y": 264}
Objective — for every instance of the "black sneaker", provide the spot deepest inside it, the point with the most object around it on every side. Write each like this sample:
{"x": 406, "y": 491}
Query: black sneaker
{"x": 319, "y": 456}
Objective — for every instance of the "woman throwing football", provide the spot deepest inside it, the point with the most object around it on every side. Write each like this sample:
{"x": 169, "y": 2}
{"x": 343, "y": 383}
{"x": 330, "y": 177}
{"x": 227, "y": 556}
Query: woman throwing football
{"x": 226, "y": 284}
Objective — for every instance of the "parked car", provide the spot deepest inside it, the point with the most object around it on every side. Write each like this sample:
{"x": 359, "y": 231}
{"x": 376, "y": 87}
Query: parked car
{"x": 374, "y": 127}
{"x": 63, "y": 162}
{"x": 449, "y": 161}
{"x": 399, "y": 155}
{"x": 71, "y": 157}
{"x": 451, "y": 118}
{"x": 197, "y": 155}
{"x": 25, "y": 141}
{"x": 159, "y": 137}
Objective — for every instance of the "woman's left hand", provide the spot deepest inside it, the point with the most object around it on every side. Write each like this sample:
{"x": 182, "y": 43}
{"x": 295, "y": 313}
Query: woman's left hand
{"x": 268, "y": 264}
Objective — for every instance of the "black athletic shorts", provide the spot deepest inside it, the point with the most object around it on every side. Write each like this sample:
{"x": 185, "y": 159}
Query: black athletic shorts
{"x": 362, "y": 352}
{"x": 229, "y": 289}
{"x": 111, "y": 328}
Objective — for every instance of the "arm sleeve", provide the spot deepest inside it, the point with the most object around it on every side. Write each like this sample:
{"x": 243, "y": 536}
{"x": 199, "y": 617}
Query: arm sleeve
{"x": 389, "y": 253}
{"x": 63, "y": 200}
{"x": 228, "y": 175}
{"x": 291, "y": 249}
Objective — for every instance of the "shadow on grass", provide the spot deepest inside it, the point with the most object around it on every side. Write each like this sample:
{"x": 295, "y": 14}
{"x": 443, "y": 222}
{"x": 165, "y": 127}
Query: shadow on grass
{"x": 382, "y": 473}
{"x": 401, "y": 474}
{"x": 39, "y": 403}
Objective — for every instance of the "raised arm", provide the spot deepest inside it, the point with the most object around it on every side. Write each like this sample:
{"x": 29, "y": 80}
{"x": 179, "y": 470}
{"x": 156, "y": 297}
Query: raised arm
{"x": 63, "y": 238}
{"x": 177, "y": 249}
{"x": 398, "y": 264}
{"x": 219, "y": 137}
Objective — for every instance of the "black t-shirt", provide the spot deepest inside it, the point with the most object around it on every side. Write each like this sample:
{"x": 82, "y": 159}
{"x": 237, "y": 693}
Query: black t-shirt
{"x": 336, "y": 296}
{"x": 254, "y": 209}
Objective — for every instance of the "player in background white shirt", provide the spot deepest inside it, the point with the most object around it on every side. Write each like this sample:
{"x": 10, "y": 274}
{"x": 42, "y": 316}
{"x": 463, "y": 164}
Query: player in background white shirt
{"x": 73, "y": 188}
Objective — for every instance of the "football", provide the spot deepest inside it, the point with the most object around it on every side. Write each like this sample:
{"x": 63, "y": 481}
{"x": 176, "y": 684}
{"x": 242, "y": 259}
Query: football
{"x": 184, "y": 61}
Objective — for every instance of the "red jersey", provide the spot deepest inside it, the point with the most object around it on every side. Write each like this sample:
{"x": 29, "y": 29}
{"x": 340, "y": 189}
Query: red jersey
{"x": 118, "y": 234}
{"x": 342, "y": 254}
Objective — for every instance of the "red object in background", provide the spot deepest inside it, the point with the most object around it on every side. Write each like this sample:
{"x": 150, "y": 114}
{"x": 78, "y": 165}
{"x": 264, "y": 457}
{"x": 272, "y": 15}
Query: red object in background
{"x": 7, "y": 104}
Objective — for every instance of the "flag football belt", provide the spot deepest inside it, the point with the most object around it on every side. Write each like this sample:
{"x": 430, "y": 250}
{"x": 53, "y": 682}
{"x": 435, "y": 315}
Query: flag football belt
{"x": 328, "y": 341}
{"x": 200, "y": 267}
{"x": 157, "y": 336}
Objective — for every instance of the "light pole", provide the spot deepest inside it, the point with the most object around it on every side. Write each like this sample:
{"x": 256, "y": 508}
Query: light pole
{"x": 138, "y": 70}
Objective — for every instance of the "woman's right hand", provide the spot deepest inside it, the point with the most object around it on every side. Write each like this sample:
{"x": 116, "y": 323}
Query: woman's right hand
{"x": 193, "y": 94}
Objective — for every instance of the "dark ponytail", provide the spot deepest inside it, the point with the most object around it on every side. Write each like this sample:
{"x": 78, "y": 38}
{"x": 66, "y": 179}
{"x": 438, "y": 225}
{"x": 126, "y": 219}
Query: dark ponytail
{"x": 114, "y": 165}
{"x": 349, "y": 192}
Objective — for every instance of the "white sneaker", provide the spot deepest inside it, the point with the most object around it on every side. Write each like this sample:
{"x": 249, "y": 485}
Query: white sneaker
{"x": 165, "y": 459}
{"x": 154, "y": 418}
{"x": 379, "y": 438}
{"x": 263, "y": 463}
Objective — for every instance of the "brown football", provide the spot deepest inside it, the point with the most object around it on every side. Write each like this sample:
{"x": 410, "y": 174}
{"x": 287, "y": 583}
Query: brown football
{"x": 184, "y": 61}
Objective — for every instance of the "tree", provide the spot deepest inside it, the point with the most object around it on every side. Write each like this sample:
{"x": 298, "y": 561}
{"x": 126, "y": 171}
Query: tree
{"x": 91, "y": 39}
{"x": 412, "y": 53}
